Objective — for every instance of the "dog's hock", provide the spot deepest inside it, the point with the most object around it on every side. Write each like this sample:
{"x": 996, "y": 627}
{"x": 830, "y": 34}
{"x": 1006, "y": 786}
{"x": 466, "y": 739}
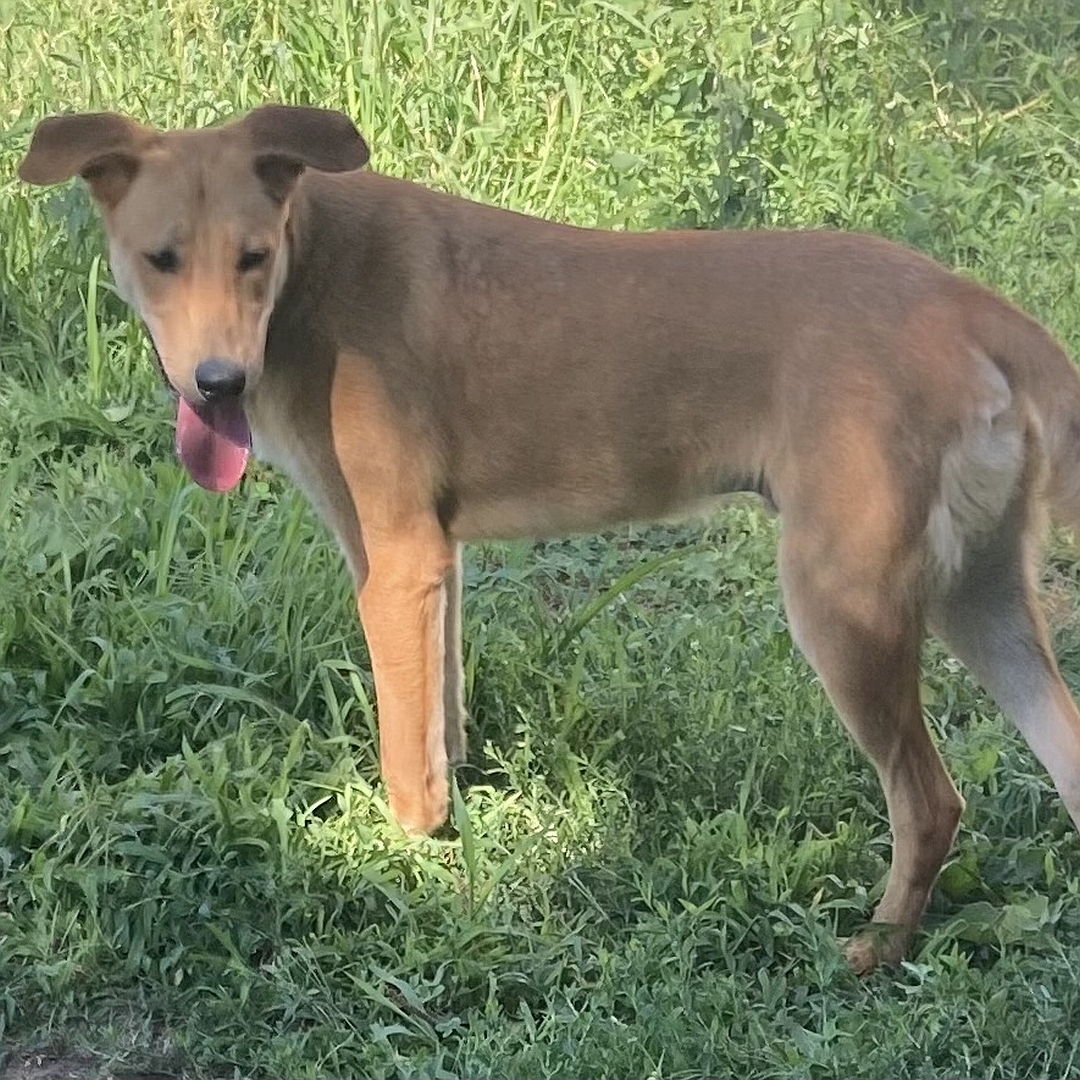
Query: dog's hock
{"x": 103, "y": 148}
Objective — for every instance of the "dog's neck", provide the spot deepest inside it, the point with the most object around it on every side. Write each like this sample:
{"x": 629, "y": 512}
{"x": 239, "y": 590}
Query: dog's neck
{"x": 346, "y": 227}
{"x": 313, "y": 241}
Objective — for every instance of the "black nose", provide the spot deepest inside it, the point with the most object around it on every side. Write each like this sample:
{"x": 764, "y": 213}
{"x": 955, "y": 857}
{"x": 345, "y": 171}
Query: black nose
{"x": 218, "y": 380}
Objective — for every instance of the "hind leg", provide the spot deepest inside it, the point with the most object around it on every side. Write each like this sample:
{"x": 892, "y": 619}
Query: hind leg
{"x": 990, "y": 619}
{"x": 857, "y": 620}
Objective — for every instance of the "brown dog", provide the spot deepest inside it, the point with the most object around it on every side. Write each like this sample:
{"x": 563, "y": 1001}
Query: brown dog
{"x": 430, "y": 371}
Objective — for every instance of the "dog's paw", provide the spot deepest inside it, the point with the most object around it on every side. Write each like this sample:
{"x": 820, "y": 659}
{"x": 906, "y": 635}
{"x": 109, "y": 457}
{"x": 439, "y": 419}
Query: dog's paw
{"x": 420, "y": 812}
{"x": 879, "y": 944}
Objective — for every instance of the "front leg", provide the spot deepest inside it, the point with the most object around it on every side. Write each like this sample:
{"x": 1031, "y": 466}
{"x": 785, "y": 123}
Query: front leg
{"x": 403, "y": 606}
{"x": 454, "y": 685}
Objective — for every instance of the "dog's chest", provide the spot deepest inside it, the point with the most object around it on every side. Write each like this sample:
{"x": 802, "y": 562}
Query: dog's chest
{"x": 276, "y": 440}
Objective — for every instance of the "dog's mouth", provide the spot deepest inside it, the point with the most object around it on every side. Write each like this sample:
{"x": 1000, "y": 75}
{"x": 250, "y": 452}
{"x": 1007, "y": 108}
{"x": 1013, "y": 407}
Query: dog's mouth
{"x": 213, "y": 442}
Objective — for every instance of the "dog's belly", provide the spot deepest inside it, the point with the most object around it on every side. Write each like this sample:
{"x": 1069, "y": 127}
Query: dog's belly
{"x": 522, "y": 516}
{"x": 555, "y": 513}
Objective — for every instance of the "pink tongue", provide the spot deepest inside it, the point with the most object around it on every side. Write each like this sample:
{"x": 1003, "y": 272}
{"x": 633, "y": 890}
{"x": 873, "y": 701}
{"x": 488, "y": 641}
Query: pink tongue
{"x": 213, "y": 442}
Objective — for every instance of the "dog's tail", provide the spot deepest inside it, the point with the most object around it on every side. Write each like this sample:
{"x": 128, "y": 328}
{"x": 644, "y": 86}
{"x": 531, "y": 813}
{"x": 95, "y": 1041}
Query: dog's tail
{"x": 1038, "y": 369}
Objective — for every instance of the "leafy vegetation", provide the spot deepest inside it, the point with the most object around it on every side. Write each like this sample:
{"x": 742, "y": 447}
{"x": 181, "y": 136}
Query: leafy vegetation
{"x": 662, "y": 827}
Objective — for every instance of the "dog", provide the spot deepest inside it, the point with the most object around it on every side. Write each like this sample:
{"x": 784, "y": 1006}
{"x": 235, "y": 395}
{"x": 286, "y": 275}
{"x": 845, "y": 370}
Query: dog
{"x": 432, "y": 371}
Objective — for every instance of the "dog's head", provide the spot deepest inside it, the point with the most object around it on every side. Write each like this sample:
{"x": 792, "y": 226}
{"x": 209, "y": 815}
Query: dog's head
{"x": 196, "y": 222}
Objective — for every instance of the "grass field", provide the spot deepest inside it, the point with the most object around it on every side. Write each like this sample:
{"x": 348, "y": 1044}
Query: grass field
{"x": 662, "y": 828}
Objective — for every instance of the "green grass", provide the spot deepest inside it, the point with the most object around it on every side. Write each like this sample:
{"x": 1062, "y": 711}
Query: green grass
{"x": 662, "y": 827}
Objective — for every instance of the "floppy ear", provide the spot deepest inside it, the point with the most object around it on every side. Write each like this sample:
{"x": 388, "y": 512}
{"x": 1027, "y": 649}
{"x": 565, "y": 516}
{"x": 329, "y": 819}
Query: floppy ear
{"x": 286, "y": 139}
{"x": 102, "y": 148}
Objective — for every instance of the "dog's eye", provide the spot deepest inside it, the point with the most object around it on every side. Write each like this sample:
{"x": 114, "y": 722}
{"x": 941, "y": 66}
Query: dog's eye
{"x": 165, "y": 261}
{"x": 250, "y": 259}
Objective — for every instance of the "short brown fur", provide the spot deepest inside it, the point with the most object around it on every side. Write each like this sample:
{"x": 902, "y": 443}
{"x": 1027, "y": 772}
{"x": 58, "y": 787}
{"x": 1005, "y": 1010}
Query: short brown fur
{"x": 431, "y": 371}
